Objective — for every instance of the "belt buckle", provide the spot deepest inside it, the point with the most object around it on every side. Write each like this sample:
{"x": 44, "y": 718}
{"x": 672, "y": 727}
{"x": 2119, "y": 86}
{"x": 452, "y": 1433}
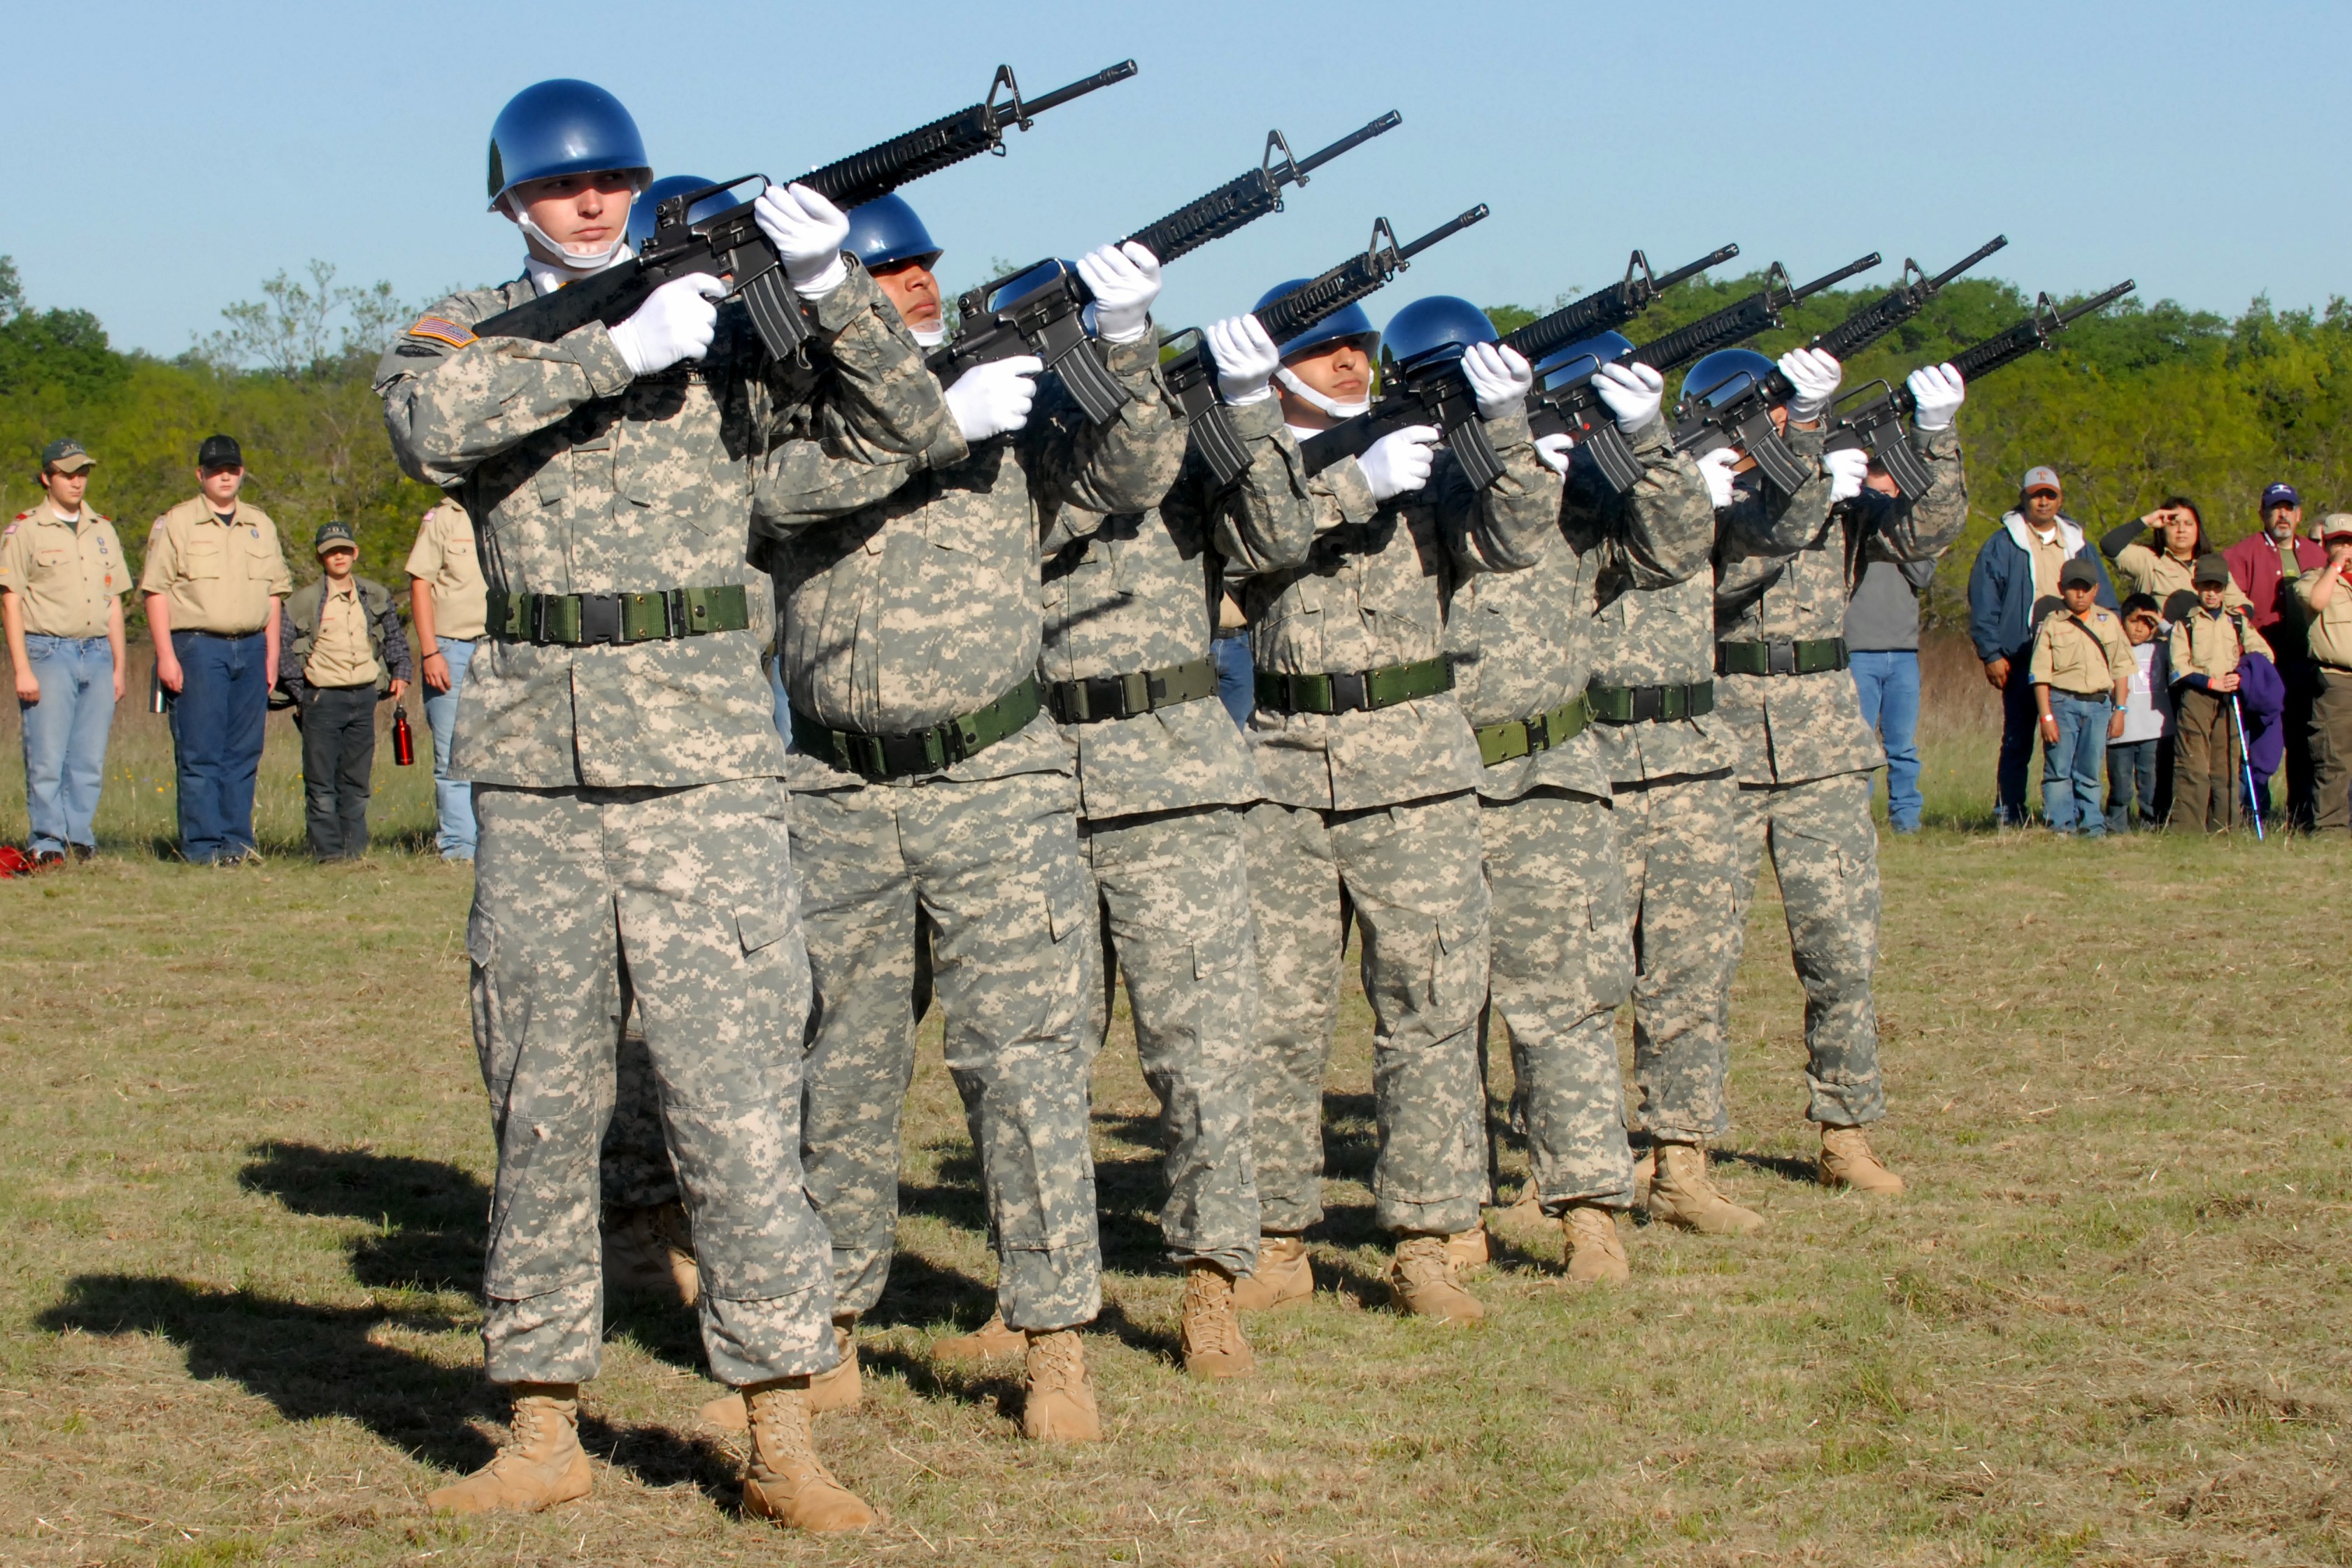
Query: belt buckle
{"x": 1134, "y": 694}
{"x": 1647, "y": 702}
{"x": 600, "y": 619}
{"x": 1348, "y": 693}
{"x": 1783, "y": 657}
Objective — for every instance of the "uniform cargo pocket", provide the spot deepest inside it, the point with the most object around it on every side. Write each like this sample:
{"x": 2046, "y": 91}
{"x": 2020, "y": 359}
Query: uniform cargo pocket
{"x": 759, "y": 927}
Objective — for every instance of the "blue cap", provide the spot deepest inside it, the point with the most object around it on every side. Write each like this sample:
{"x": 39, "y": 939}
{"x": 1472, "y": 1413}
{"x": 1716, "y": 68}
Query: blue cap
{"x": 2281, "y": 494}
{"x": 563, "y": 127}
{"x": 886, "y": 232}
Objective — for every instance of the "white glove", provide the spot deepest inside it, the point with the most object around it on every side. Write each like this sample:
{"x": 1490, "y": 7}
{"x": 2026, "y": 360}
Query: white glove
{"x": 1124, "y": 279}
{"x": 1246, "y": 360}
{"x": 1815, "y": 375}
{"x": 1845, "y": 469}
{"x": 993, "y": 399}
{"x": 1715, "y": 470}
{"x": 1552, "y": 451}
{"x": 1399, "y": 461}
{"x": 676, "y": 322}
{"x": 1501, "y": 378}
{"x": 807, "y": 231}
{"x": 1937, "y": 393}
{"x": 1631, "y": 392}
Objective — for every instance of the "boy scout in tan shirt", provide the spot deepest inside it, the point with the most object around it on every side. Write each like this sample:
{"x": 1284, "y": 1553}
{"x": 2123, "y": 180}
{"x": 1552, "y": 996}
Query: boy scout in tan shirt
{"x": 2081, "y": 670}
{"x": 61, "y": 586}
{"x": 2207, "y": 644}
{"x": 449, "y": 603}
{"x": 2329, "y": 633}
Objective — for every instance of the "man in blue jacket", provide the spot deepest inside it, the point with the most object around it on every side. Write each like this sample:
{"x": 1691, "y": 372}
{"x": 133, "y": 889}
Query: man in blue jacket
{"x": 2013, "y": 585}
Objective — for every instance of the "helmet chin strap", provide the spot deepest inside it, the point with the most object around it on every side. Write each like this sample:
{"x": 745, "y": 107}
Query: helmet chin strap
{"x": 576, "y": 262}
{"x": 929, "y": 337}
{"x": 1307, "y": 394}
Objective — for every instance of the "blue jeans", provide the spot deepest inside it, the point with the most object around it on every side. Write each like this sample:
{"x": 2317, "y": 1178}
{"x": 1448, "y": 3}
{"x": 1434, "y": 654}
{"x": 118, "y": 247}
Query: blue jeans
{"x": 2070, "y": 764}
{"x": 64, "y": 737}
{"x": 452, "y": 799}
{"x": 2131, "y": 776}
{"x": 1236, "y": 680}
{"x": 217, "y": 728}
{"x": 1887, "y": 681}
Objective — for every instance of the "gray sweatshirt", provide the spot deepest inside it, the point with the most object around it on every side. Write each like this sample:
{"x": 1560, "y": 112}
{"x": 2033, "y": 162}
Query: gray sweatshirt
{"x": 1884, "y": 614}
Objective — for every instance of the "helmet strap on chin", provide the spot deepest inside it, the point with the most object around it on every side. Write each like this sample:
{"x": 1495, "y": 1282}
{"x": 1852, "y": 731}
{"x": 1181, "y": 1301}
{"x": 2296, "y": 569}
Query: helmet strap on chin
{"x": 1307, "y": 394}
{"x": 564, "y": 258}
{"x": 929, "y": 337}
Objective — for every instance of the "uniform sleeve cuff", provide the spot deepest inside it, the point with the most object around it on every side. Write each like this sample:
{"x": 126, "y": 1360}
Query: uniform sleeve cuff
{"x": 591, "y": 348}
{"x": 834, "y": 310}
{"x": 1350, "y": 491}
{"x": 1255, "y": 421}
{"x": 1510, "y": 430}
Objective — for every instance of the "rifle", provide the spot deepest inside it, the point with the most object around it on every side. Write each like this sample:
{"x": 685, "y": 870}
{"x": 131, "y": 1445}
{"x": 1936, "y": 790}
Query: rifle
{"x": 1572, "y": 403}
{"x": 1876, "y": 426}
{"x": 729, "y": 245}
{"x": 1440, "y": 394}
{"x": 1190, "y": 371}
{"x": 1746, "y": 421}
{"x": 1040, "y": 309}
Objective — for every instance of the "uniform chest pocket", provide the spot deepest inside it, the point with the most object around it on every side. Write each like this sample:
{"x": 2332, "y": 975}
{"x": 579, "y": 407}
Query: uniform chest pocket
{"x": 208, "y": 554}
{"x": 50, "y": 557}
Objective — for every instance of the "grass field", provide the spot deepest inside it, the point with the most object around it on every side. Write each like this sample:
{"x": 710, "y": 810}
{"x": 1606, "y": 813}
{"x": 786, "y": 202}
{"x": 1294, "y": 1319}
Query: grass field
{"x": 243, "y": 1169}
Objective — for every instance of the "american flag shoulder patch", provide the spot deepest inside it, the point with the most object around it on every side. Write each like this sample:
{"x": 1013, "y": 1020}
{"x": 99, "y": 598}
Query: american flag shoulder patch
{"x": 441, "y": 330}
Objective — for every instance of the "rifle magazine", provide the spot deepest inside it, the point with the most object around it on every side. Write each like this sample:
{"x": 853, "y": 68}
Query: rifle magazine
{"x": 1893, "y": 450}
{"x": 1481, "y": 464}
{"x": 776, "y": 313}
{"x": 1220, "y": 445}
{"x": 1088, "y": 381}
{"x": 1612, "y": 456}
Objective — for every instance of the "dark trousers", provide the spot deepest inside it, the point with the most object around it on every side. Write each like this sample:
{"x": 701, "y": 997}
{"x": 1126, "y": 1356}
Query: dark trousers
{"x": 2330, "y": 740}
{"x": 2021, "y": 731}
{"x": 216, "y": 728}
{"x": 2302, "y": 678}
{"x": 338, "y": 755}
{"x": 2131, "y": 780}
{"x": 2205, "y": 761}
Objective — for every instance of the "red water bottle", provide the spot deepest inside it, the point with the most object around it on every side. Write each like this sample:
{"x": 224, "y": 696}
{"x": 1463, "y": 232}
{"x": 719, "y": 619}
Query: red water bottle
{"x": 403, "y": 744}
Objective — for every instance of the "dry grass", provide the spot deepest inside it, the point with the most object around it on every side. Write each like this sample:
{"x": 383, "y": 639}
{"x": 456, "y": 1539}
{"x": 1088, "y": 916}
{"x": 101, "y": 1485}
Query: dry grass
{"x": 242, "y": 1187}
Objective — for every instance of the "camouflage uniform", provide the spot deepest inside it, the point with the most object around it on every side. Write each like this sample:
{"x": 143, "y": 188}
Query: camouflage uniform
{"x": 632, "y": 810}
{"x": 1785, "y": 567}
{"x": 1159, "y": 799}
{"x": 1370, "y": 813}
{"x": 911, "y": 598}
{"x": 1523, "y": 647}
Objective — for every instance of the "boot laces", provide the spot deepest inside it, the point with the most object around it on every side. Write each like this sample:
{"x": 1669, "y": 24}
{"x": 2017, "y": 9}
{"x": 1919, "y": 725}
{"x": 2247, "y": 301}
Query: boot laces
{"x": 779, "y": 1428}
{"x": 1055, "y": 1361}
{"x": 1209, "y": 1310}
{"x": 1422, "y": 1261}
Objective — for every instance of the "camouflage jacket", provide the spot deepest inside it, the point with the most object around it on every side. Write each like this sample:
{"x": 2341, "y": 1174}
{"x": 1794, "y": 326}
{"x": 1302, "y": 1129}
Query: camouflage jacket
{"x": 1138, "y": 591}
{"x": 1524, "y": 643}
{"x": 581, "y": 478}
{"x": 1784, "y": 570}
{"x": 1374, "y": 591}
{"x": 910, "y": 591}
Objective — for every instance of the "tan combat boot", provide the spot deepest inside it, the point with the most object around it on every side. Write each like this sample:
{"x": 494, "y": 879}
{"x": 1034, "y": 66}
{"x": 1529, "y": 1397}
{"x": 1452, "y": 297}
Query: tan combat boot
{"x": 539, "y": 1464}
{"x": 1210, "y": 1334}
{"x": 1847, "y": 1162}
{"x": 650, "y": 1252}
{"x": 1469, "y": 1250}
{"x": 1595, "y": 1254}
{"x": 1283, "y": 1276}
{"x": 837, "y": 1389}
{"x": 786, "y": 1480}
{"x": 1059, "y": 1407}
{"x": 1420, "y": 1279}
{"x": 1681, "y": 1193}
{"x": 990, "y": 1341}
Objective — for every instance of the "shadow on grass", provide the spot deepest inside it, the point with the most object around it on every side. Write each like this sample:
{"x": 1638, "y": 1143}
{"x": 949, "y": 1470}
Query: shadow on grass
{"x": 430, "y": 1217}
{"x": 1787, "y": 1167}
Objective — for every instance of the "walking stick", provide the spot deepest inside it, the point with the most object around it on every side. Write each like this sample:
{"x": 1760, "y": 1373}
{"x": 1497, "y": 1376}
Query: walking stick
{"x": 2246, "y": 766}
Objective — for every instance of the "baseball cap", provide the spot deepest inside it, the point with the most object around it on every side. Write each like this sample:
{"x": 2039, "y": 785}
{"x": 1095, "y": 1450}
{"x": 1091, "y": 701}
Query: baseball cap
{"x": 2210, "y": 571}
{"x": 2340, "y": 528}
{"x": 2281, "y": 494}
{"x": 332, "y": 536}
{"x": 220, "y": 452}
{"x": 66, "y": 457}
{"x": 2041, "y": 477}
{"x": 2078, "y": 574}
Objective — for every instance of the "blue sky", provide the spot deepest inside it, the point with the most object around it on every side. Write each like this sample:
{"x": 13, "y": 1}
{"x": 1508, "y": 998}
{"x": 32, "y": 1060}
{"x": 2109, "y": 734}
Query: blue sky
{"x": 193, "y": 150}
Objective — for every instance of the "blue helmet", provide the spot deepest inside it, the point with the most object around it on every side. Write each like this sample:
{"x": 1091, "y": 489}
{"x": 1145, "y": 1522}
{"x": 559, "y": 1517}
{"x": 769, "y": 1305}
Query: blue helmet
{"x": 1725, "y": 374}
{"x": 641, "y": 213}
{"x": 562, "y": 126}
{"x": 1350, "y": 322}
{"x": 1439, "y": 327}
{"x": 1577, "y": 361}
{"x": 886, "y": 232}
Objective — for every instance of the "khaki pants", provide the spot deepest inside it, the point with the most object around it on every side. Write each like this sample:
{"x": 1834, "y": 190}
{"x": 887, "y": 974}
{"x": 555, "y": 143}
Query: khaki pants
{"x": 2206, "y": 761}
{"x": 2331, "y": 751}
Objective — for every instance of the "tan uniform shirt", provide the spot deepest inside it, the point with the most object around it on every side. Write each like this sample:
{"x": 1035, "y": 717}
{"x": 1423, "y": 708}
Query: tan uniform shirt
{"x": 341, "y": 655}
{"x": 66, "y": 574}
{"x": 2067, "y": 659}
{"x": 2207, "y": 644}
{"x": 217, "y": 577}
{"x": 445, "y": 560}
{"x": 2330, "y": 628}
{"x": 2049, "y": 559}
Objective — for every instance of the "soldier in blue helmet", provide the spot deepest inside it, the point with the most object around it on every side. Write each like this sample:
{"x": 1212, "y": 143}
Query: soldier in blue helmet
{"x": 627, "y": 777}
{"x": 1369, "y": 768}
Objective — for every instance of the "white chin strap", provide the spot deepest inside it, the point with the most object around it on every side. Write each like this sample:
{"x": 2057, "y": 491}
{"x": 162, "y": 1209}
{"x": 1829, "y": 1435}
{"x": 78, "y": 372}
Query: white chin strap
{"x": 929, "y": 337}
{"x": 1307, "y": 394}
{"x": 577, "y": 262}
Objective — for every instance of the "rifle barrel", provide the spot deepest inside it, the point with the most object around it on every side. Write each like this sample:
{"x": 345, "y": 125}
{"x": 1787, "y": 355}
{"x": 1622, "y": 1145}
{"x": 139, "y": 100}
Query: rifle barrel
{"x": 1446, "y": 230}
{"x": 1354, "y": 139}
{"x": 1965, "y": 262}
{"x": 1862, "y": 265}
{"x": 1682, "y": 274}
{"x": 2098, "y": 301}
{"x": 1062, "y": 95}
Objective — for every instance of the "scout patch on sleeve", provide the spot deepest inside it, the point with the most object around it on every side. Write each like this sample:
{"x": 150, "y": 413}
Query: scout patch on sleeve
{"x": 442, "y": 330}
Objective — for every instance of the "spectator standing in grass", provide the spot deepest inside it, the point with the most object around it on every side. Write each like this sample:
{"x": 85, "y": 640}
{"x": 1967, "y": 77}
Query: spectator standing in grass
{"x": 2081, "y": 671}
{"x": 343, "y": 652}
{"x": 2207, "y": 645}
{"x": 2268, "y": 566}
{"x": 449, "y": 603}
{"x": 2013, "y": 585}
{"x": 1881, "y": 639}
{"x": 2327, "y": 604}
{"x": 214, "y": 582}
{"x": 2146, "y": 715}
{"x": 61, "y": 584}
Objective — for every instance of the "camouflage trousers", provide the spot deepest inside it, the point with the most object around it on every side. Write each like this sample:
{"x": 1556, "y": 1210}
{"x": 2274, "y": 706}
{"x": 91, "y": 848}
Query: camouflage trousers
{"x": 1680, "y": 842}
{"x": 1176, "y": 923}
{"x": 635, "y": 1167}
{"x": 992, "y": 871}
{"x": 1562, "y": 963}
{"x": 1824, "y": 849}
{"x": 1410, "y": 875}
{"x": 678, "y": 902}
